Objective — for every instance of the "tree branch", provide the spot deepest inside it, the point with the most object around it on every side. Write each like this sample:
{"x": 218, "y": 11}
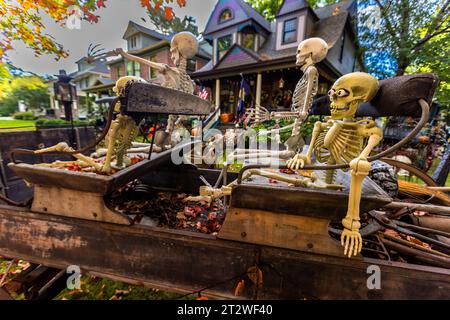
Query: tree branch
{"x": 388, "y": 22}
{"x": 428, "y": 37}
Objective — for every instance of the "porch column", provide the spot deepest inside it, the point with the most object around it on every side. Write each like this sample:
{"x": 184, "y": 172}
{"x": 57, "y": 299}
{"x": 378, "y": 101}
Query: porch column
{"x": 218, "y": 93}
{"x": 258, "y": 89}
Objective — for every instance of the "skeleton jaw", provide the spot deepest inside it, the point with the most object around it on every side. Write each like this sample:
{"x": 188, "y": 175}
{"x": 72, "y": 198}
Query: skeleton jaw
{"x": 343, "y": 111}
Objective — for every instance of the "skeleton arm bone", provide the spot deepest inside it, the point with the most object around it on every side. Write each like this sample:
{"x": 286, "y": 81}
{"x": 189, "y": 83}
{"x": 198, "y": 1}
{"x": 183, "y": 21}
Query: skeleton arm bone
{"x": 351, "y": 238}
{"x": 161, "y": 67}
{"x": 299, "y": 160}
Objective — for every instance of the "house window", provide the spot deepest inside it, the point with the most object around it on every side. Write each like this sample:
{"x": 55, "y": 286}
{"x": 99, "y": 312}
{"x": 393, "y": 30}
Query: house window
{"x": 290, "y": 31}
{"x": 133, "y": 42}
{"x": 153, "y": 74}
{"x": 341, "y": 54}
{"x": 223, "y": 44}
{"x": 248, "y": 40}
{"x": 133, "y": 69}
{"x": 226, "y": 15}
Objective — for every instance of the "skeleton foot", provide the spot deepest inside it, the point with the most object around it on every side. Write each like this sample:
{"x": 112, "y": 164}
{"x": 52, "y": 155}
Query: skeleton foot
{"x": 206, "y": 199}
{"x": 352, "y": 242}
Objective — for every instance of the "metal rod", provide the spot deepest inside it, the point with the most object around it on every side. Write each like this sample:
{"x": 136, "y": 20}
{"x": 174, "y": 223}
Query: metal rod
{"x": 416, "y": 246}
{"x": 153, "y": 142}
{"x": 440, "y": 210}
{"x": 416, "y": 253}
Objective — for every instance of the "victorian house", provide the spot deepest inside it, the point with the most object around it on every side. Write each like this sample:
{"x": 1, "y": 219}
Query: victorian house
{"x": 246, "y": 45}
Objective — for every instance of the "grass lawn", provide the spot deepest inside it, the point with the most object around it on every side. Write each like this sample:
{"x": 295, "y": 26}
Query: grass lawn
{"x": 93, "y": 288}
{"x": 17, "y": 125}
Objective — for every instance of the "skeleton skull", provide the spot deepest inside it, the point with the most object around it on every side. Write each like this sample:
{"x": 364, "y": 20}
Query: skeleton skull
{"x": 184, "y": 44}
{"x": 122, "y": 82}
{"x": 312, "y": 50}
{"x": 349, "y": 91}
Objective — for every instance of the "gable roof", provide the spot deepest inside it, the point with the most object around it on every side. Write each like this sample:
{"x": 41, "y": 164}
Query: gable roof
{"x": 242, "y": 11}
{"x": 237, "y": 55}
{"x": 335, "y": 9}
{"x": 330, "y": 28}
{"x": 149, "y": 32}
{"x": 289, "y": 6}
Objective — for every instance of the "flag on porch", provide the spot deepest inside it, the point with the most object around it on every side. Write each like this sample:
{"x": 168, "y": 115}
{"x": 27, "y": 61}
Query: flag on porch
{"x": 203, "y": 93}
{"x": 243, "y": 92}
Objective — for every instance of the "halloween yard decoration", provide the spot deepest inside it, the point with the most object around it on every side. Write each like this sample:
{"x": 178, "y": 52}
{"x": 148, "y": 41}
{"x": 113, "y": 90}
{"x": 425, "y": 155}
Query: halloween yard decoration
{"x": 282, "y": 231}
{"x": 341, "y": 140}
{"x": 310, "y": 52}
{"x": 124, "y": 128}
{"x": 96, "y": 177}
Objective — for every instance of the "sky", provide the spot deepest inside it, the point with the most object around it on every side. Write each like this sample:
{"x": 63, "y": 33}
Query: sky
{"x": 108, "y": 32}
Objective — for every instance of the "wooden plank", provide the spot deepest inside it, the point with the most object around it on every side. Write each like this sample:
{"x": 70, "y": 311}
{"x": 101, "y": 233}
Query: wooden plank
{"x": 190, "y": 261}
{"x": 326, "y": 204}
{"x": 279, "y": 230}
{"x": 153, "y": 99}
{"x": 82, "y": 181}
{"x": 75, "y": 204}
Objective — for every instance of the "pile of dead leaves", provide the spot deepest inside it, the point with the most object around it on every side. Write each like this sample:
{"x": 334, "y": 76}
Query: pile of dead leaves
{"x": 171, "y": 211}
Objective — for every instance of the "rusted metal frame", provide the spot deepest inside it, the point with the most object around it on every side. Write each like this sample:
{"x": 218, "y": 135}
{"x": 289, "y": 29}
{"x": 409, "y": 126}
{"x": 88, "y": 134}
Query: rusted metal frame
{"x": 438, "y": 260}
{"x": 423, "y": 120}
{"x": 13, "y": 152}
{"x": 412, "y": 169}
{"x": 177, "y": 259}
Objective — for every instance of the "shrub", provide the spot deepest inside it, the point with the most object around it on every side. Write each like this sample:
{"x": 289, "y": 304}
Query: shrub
{"x": 59, "y": 123}
{"x": 24, "y": 116}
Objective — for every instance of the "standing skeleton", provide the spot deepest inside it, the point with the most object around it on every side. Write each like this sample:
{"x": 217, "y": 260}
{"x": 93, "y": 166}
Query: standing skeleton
{"x": 341, "y": 140}
{"x": 310, "y": 52}
{"x": 123, "y": 129}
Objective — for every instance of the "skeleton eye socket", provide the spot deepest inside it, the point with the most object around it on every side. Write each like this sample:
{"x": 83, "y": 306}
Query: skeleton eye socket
{"x": 342, "y": 93}
{"x": 332, "y": 92}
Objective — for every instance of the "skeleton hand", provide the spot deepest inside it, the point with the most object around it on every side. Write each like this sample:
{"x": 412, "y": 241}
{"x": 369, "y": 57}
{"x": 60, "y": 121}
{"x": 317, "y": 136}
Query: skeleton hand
{"x": 257, "y": 115}
{"x": 298, "y": 161}
{"x": 118, "y": 51}
{"x": 352, "y": 238}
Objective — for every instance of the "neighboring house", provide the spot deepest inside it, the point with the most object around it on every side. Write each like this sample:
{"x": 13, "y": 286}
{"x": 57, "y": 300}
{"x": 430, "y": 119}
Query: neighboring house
{"x": 246, "y": 44}
{"x": 86, "y": 76}
{"x": 147, "y": 44}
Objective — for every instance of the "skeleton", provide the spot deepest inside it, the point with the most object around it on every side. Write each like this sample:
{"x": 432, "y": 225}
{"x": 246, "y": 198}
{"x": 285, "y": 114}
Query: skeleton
{"x": 309, "y": 53}
{"x": 123, "y": 130}
{"x": 340, "y": 140}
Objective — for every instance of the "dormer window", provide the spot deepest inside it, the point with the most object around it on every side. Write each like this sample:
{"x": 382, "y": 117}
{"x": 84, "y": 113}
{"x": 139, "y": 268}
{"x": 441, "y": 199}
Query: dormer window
{"x": 133, "y": 42}
{"x": 226, "y": 15}
{"x": 290, "y": 31}
{"x": 223, "y": 44}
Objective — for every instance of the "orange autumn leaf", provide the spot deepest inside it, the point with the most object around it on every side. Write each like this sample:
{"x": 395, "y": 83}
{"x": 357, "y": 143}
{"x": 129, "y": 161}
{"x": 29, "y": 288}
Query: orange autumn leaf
{"x": 169, "y": 14}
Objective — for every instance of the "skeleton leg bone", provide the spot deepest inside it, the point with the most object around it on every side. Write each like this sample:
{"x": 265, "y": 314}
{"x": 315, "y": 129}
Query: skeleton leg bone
{"x": 64, "y": 147}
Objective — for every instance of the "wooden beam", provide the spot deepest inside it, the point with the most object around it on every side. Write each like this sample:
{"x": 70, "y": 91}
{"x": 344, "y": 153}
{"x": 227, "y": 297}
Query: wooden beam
{"x": 191, "y": 261}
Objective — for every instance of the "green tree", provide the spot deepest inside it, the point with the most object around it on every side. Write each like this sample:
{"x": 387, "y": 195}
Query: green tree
{"x": 159, "y": 20}
{"x": 33, "y": 91}
{"x": 416, "y": 34}
{"x": 269, "y": 8}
